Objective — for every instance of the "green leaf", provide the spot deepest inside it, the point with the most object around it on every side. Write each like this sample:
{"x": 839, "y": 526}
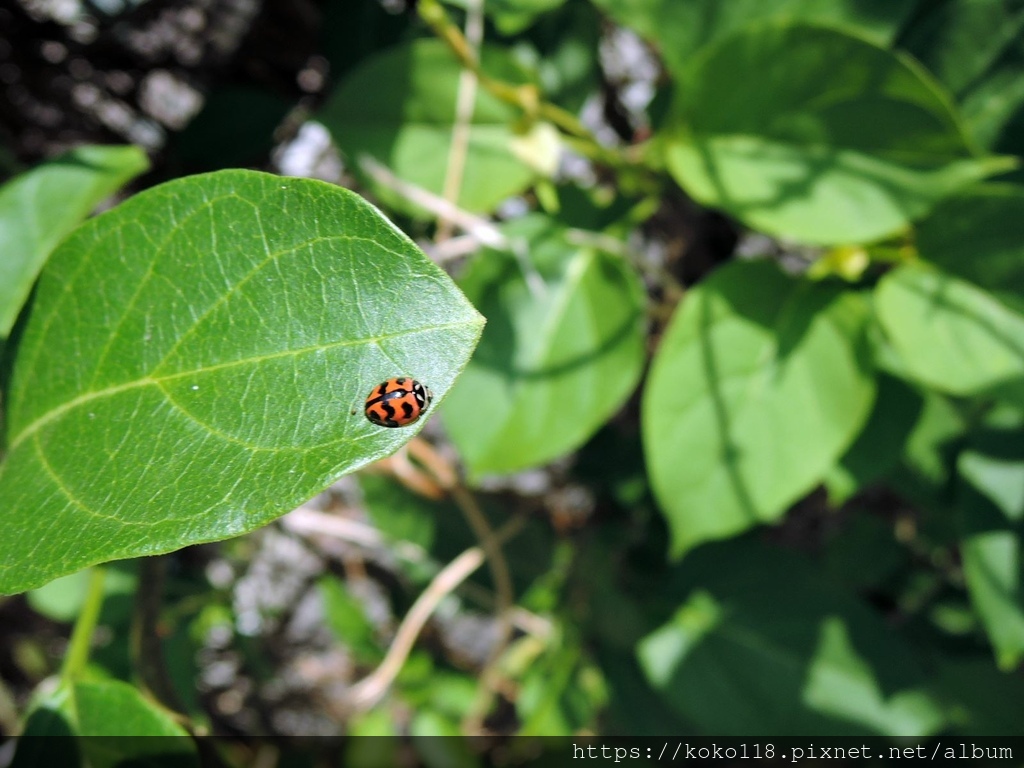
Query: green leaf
{"x": 809, "y": 133}
{"x": 881, "y": 443}
{"x": 991, "y": 500}
{"x": 399, "y": 108}
{"x": 196, "y": 362}
{"x": 513, "y": 16}
{"x": 993, "y": 107}
{"x": 764, "y": 646}
{"x": 347, "y": 619}
{"x": 978, "y": 235}
{"x": 960, "y": 40}
{"x": 107, "y": 712}
{"x": 562, "y": 351}
{"x": 759, "y": 385}
{"x": 40, "y": 207}
{"x": 994, "y": 571}
{"x": 62, "y": 599}
{"x": 450, "y": 752}
{"x": 949, "y": 334}
{"x": 680, "y": 28}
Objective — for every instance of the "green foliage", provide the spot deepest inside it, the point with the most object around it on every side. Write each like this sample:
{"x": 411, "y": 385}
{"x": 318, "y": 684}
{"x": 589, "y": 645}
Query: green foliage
{"x": 398, "y": 108}
{"x": 800, "y": 656}
{"x": 759, "y": 385}
{"x": 681, "y": 28}
{"x": 654, "y": 419}
{"x": 949, "y": 334}
{"x": 809, "y": 133}
{"x": 40, "y": 207}
{"x": 562, "y": 350}
{"x": 227, "y": 348}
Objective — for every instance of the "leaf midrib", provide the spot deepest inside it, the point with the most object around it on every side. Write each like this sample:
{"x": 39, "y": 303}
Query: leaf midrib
{"x": 150, "y": 380}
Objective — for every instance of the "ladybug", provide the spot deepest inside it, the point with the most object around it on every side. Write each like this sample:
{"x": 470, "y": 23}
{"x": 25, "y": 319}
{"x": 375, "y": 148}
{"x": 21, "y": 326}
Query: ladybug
{"x": 397, "y": 402}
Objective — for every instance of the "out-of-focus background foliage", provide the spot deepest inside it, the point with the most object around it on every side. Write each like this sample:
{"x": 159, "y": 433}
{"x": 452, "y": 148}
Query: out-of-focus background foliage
{"x": 750, "y": 389}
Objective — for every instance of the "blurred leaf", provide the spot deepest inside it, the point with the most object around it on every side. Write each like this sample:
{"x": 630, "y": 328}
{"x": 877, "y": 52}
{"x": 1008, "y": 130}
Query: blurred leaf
{"x": 809, "y": 133}
{"x": 397, "y": 512}
{"x": 978, "y": 235}
{"x": 123, "y": 727}
{"x": 399, "y": 107}
{"x": 511, "y": 17}
{"x": 559, "y": 692}
{"x": 441, "y": 752}
{"x": 62, "y": 599}
{"x": 880, "y": 445}
{"x": 760, "y": 383}
{"x": 991, "y": 497}
{"x": 40, "y": 207}
{"x": 563, "y": 350}
{"x": 680, "y": 28}
{"x": 764, "y": 647}
{"x": 191, "y": 360}
{"x": 993, "y": 108}
{"x": 563, "y": 45}
{"x": 994, "y": 571}
{"x": 959, "y": 40}
{"x": 347, "y": 619}
{"x": 949, "y": 334}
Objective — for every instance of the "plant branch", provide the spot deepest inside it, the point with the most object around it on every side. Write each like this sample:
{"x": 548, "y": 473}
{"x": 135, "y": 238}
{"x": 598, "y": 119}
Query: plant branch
{"x": 80, "y": 645}
{"x": 466, "y": 99}
{"x": 368, "y": 691}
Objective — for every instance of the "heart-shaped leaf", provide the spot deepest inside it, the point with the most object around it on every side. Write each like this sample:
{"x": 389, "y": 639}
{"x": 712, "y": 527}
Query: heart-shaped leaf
{"x": 810, "y": 133}
{"x": 561, "y": 353}
{"x": 759, "y": 385}
{"x": 40, "y": 207}
{"x": 196, "y": 363}
{"x": 949, "y": 334}
{"x": 399, "y": 107}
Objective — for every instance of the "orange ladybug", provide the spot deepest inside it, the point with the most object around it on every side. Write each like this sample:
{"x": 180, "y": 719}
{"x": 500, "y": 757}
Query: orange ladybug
{"x": 397, "y": 402}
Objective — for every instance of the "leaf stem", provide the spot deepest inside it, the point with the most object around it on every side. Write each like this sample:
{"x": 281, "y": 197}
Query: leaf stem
{"x": 77, "y": 655}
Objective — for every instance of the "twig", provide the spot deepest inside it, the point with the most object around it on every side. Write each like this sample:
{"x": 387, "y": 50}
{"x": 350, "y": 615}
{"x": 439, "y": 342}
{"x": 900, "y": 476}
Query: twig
{"x": 465, "y": 101}
{"x": 480, "y": 228}
{"x": 368, "y": 691}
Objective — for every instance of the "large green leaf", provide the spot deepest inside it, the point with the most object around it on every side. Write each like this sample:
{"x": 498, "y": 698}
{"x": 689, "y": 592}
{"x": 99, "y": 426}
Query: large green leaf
{"x": 949, "y": 334}
{"x": 399, "y": 108}
{"x": 196, "y": 362}
{"x": 764, "y": 646}
{"x": 40, "y": 207}
{"x": 680, "y": 28}
{"x": 759, "y": 385}
{"x": 562, "y": 351}
{"x": 979, "y": 235}
{"x": 809, "y": 133}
